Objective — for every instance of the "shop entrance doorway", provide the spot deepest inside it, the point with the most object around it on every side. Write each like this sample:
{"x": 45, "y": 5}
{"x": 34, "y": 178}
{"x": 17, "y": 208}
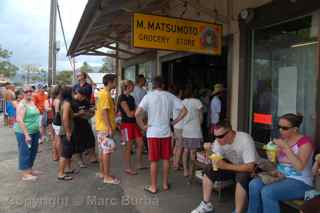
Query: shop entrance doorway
{"x": 200, "y": 73}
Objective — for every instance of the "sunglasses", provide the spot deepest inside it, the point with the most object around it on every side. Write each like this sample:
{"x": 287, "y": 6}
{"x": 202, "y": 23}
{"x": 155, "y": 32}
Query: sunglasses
{"x": 28, "y": 91}
{"x": 284, "y": 127}
{"x": 222, "y": 136}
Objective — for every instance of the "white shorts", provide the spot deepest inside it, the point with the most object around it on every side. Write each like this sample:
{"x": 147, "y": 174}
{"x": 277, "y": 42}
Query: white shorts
{"x": 56, "y": 129}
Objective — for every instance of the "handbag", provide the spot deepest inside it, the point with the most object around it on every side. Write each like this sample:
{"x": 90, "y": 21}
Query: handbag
{"x": 57, "y": 118}
{"x": 267, "y": 172}
{"x": 270, "y": 177}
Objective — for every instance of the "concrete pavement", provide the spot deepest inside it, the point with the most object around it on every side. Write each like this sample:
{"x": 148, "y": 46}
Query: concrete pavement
{"x": 88, "y": 194}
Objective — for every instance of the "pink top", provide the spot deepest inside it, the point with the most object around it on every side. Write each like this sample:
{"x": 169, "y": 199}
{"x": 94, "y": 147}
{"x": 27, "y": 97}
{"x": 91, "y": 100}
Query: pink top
{"x": 285, "y": 167}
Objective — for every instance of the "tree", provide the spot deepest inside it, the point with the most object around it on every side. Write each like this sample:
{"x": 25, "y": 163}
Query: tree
{"x": 64, "y": 77}
{"x": 6, "y": 68}
{"x": 108, "y": 66}
{"x": 86, "y": 67}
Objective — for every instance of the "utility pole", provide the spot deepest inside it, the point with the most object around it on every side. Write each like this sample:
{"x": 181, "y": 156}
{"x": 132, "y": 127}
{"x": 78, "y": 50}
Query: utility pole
{"x": 52, "y": 43}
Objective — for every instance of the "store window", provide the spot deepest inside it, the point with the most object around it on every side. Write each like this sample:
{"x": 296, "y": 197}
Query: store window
{"x": 148, "y": 70}
{"x": 130, "y": 73}
{"x": 284, "y": 67}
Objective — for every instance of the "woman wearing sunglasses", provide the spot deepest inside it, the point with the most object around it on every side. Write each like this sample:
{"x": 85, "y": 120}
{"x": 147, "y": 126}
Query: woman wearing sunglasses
{"x": 27, "y": 134}
{"x": 294, "y": 156}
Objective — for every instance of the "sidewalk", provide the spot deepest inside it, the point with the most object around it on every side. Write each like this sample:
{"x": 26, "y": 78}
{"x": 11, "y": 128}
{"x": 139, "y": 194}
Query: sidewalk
{"x": 88, "y": 194}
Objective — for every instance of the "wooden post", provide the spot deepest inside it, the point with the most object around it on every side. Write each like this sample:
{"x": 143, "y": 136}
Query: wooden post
{"x": 52, "y": 43}
{"x": 118, "y": 72}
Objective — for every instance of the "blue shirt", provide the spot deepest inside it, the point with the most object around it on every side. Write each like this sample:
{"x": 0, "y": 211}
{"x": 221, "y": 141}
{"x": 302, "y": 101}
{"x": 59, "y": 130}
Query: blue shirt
{"x": 87, "y": 87}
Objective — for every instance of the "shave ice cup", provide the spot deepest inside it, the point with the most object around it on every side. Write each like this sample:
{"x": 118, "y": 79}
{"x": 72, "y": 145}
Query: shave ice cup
{"x": 215, "y": 157}
{"x": 271, "y": 150}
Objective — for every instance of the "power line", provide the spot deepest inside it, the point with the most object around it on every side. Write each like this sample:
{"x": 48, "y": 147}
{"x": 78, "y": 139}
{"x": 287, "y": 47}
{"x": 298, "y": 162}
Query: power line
{"x": 64, "y": 38}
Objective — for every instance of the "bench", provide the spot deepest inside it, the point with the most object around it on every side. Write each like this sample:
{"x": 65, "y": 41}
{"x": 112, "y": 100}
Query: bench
{"x": 297, "y": 204}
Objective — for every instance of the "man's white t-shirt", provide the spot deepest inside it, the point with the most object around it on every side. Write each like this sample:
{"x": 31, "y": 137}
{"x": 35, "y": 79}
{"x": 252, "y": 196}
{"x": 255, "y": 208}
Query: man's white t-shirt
{"x": 138, "y": 94}
{"x": 159, "y": 106}
{"x": 241, "y": 151}
{"x": 192, "y": 123}
{"x": 215, "y": 110}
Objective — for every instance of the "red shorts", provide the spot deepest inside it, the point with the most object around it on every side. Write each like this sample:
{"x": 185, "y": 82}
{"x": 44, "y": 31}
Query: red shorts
{"x": 159, "y": 148}
{"x": 130, "y": 131}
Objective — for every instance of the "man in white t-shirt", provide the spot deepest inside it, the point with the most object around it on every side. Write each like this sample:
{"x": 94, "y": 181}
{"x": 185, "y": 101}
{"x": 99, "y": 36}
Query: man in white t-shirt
{"x": 239, "y": 159}
{"x": 159, "y": 106}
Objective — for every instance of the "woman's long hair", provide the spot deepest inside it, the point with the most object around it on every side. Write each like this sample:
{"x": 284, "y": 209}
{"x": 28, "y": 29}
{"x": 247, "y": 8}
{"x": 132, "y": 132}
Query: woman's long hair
{"x": 66, "y": 93}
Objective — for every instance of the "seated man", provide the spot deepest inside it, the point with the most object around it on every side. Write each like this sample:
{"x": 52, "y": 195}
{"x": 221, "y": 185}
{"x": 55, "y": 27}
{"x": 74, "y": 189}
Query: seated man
{"x": 239, "y": 153}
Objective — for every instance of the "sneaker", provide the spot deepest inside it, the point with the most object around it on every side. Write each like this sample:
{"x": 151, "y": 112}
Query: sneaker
{"x": 203, "y": 208}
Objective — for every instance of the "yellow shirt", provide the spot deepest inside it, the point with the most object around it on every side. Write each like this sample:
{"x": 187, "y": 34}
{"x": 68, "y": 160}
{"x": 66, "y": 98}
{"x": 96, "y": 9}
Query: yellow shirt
{"x": 105, "y": 102}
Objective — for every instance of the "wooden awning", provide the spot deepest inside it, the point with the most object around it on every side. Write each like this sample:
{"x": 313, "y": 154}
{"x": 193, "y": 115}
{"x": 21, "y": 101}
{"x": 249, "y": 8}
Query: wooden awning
{"x": 105, "y": 27}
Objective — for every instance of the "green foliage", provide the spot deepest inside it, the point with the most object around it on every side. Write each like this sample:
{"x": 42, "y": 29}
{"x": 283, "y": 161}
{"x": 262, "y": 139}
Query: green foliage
{"x": 86, "y": 67}
{"x": 64, "y": 77}
{"x": 6, "y": 68}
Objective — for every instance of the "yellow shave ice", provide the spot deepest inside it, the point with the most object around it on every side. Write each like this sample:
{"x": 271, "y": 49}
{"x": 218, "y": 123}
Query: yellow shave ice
{"x": 271, "y": 150}
{"x": 215, "y": 157}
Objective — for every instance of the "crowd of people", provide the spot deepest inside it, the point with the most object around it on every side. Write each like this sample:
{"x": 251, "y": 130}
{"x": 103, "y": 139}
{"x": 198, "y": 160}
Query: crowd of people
{"x": 166, "y": 124}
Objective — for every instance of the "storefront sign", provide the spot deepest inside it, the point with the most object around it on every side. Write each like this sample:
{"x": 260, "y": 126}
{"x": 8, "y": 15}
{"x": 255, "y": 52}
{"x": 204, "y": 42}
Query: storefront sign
{"x": 259, "y": 118}
{"x": 158, "y": 32}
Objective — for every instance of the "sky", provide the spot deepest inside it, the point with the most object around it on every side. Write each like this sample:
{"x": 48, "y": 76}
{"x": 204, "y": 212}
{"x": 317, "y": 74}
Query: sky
{"x": 24, "y": 30}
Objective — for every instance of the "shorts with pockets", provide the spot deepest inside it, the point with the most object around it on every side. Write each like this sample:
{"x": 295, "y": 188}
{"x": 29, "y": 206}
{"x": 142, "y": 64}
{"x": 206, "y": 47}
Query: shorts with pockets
{"x": 105, "y": 143}
{"x": 159, "y": 148}
{"x": 130, "y": 132}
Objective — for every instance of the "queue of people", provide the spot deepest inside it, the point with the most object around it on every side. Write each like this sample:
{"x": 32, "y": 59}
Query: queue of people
{"x": 153, "y": 118}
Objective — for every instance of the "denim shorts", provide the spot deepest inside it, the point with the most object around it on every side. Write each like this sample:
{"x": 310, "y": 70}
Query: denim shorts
{"x": 27, "y": 155}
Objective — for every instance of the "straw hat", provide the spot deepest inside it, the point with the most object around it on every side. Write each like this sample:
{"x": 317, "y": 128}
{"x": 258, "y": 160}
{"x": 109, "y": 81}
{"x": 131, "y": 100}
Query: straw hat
{"x": 217, "y": 89}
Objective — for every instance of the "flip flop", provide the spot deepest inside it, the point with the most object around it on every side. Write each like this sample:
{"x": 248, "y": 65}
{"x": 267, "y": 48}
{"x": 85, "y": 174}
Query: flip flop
{"x": 82, "y": 166}
{"x": 143, "y": 168}
{"x": 168, "y": 188}
{"x": 36, "y": 172}
{"x": 98, "y": 175}
{"x": 72, "y": 172}
{"x": 114, "y": 181}
{"x": 147, "y": 188}
{"x": 130, "y": 172}
{"x": 29, "y": 178}
{"x": 65, "y": 178}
